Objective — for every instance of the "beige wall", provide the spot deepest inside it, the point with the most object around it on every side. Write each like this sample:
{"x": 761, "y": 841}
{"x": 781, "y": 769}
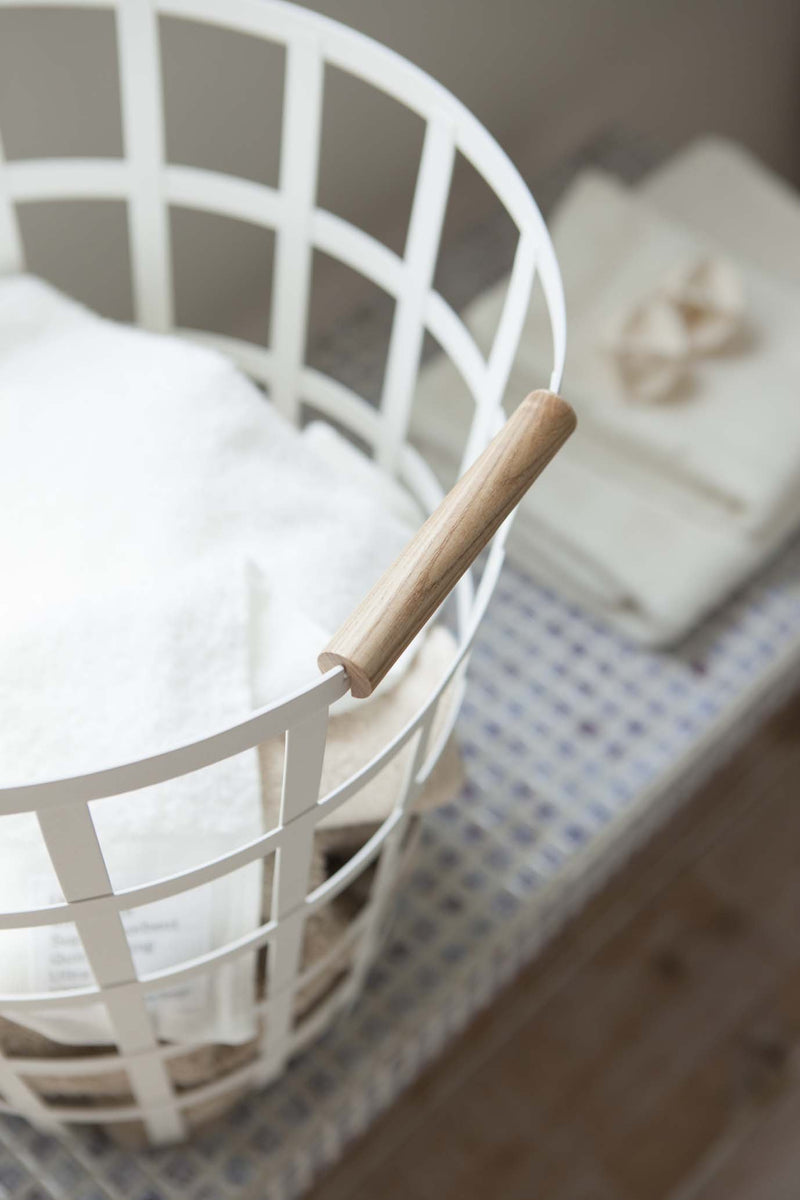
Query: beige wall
{"x": 544, "y": 75}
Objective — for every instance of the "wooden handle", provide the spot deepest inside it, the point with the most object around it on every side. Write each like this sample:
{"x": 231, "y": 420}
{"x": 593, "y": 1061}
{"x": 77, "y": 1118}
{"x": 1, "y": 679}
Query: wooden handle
{"x": 388, "y": 619}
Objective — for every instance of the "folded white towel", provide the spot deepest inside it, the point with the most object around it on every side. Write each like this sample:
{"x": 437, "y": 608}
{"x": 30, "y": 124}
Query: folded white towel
{"x": 127, "y": 456}
{"x": 721, "y": 191}
{"x": 651, "y": 514}
{"x": 108, "y": 674}
{"x": 156, "y": 517}
{"x": 734, "y": 437}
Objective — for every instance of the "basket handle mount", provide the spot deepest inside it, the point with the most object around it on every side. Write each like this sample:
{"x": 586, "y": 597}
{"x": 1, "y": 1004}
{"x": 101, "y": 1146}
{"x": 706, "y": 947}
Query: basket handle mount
{"x": 408, "y": 593}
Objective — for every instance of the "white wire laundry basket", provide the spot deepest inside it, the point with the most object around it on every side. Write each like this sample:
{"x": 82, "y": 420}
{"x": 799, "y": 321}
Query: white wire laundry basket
{"x": 149, "y": 185}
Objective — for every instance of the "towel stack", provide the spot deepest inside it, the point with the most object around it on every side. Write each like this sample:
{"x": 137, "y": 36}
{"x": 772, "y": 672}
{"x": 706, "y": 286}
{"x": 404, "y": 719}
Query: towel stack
{"x": 683, "y": 302}
{"x": 175, "y": 555}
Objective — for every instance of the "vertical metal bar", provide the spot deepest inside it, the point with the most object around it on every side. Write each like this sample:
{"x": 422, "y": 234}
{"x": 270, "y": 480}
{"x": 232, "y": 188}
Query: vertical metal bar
{"x": 300, "y": 135}
{"x": 72, "y": 843}
{"x": 302, "y": 772}
{"x": 504, "y": 349}
{"x": 386, "y": 873}
{"x": 143, "y": 133}
{"x": 422, "y": 249}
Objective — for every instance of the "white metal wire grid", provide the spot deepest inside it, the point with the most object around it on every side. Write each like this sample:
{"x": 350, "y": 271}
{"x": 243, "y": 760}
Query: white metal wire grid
{"x": 149, "y": 185}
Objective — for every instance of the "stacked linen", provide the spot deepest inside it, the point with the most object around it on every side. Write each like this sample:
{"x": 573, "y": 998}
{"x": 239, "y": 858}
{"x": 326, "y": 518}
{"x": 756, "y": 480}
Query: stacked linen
{"x": 684, "y": 366}
{"x": 175, "y": 555}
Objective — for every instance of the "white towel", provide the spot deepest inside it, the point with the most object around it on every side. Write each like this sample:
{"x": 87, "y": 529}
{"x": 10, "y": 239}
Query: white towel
{"x": 127, "y": 455}
{"x": 651, "y": 514}
{"x": 99, "y": 680}
{"x": 733, "y": 440}
{"x": 721, "y": 191}
{"x": 156, "y": 516}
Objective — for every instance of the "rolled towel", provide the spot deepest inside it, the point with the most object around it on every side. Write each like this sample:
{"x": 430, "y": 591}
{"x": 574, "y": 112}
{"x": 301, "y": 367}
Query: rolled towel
{"x": 708, "y": 294}
{"x": 650, "y": 348}
{"x": 696, "y": 309}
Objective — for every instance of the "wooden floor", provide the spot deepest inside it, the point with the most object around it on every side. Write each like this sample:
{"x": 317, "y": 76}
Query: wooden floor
{"x": 654, "y": 1051}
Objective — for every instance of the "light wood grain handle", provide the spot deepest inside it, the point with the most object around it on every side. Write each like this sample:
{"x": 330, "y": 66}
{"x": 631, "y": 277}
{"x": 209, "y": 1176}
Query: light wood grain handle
{"x": 388, "y": 619}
